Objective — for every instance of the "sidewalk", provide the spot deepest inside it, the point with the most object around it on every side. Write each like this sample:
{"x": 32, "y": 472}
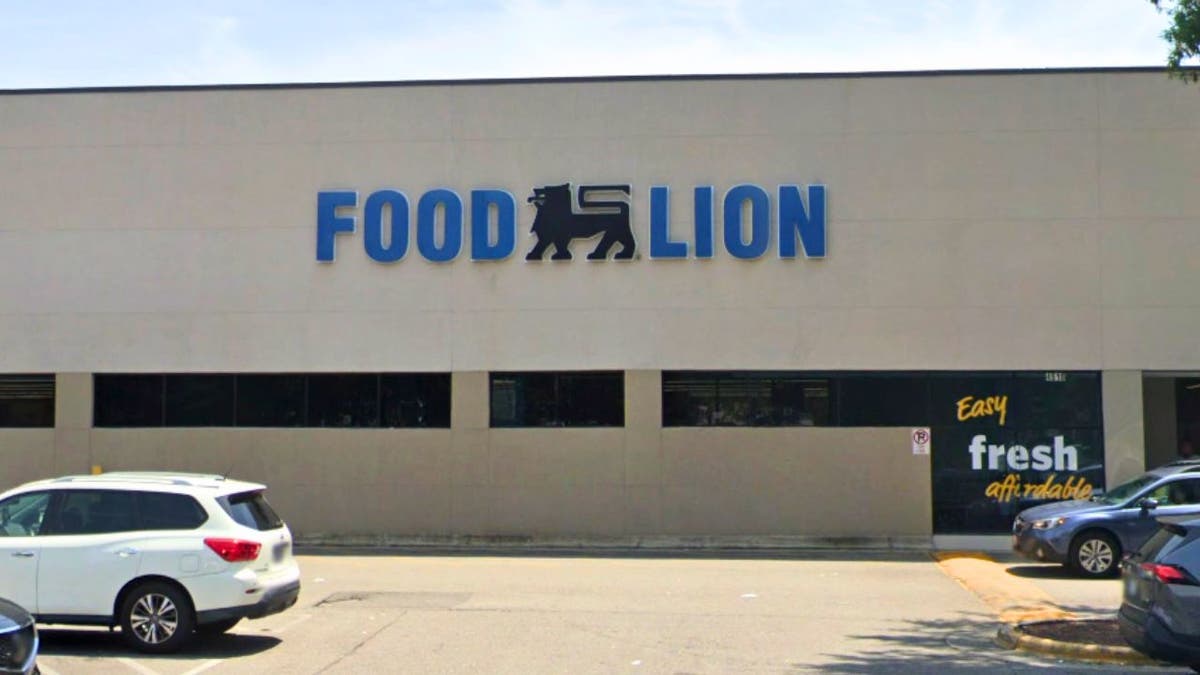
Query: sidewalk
{"x": 1035, "y": 621}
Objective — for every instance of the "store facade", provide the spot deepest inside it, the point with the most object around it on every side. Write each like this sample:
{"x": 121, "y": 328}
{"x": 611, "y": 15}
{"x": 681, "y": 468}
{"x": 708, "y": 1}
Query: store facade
{"x": 607, "y": 310}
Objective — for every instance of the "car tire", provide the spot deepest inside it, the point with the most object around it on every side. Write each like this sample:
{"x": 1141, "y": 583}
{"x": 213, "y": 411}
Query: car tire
{"x": 1095, "y": 554}
{"x": 157, "y": 618}
{"x": 216, "y": 627}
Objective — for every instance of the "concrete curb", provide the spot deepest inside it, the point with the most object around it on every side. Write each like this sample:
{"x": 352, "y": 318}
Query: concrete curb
{"x": 659, "y": 543}
{"x": 1013, "y": 637}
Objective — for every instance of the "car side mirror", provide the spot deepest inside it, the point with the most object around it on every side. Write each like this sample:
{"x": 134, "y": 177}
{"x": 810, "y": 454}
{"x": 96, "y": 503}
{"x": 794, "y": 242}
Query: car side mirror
{"x": 1148, "y": 504}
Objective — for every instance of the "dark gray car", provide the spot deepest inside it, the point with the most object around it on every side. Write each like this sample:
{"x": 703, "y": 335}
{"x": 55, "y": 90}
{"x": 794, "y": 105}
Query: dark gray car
{"x": 1160, "y": 611}
{"x": 1091, "y": 536}
{"x": 18, "y": 640}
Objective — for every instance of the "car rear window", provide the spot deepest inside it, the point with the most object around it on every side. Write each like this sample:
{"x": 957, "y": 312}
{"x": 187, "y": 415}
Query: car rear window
{"x": 252, "y": 510}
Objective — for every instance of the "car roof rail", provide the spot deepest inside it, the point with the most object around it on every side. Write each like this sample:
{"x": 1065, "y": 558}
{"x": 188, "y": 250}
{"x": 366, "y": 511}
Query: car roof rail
{"x": 152, "y": 477}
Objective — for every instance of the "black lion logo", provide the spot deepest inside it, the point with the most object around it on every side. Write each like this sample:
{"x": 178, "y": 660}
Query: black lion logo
{"x": 557, "y": 223}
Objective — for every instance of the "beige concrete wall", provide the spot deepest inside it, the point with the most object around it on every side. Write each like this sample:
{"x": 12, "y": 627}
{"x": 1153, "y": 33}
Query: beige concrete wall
{"x": 636, "y": 481}
{"x": 25, "y": 455}
{"x": 1124, "y": 431}
{"x": 174, "y": 230}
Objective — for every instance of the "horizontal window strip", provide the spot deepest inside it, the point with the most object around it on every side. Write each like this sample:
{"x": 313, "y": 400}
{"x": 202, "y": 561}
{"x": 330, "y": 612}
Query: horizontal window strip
{"x": 26, "y": 387}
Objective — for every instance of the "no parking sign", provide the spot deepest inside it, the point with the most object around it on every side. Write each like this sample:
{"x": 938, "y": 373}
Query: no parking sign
{"x": 921, "y": 440}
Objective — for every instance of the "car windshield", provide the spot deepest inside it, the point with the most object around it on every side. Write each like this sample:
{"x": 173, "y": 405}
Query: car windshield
{"x": 1123, "y": 492}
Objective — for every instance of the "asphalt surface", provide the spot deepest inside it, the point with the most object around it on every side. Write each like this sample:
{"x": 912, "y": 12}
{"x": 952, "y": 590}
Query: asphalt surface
{"x": 839, "y": 612}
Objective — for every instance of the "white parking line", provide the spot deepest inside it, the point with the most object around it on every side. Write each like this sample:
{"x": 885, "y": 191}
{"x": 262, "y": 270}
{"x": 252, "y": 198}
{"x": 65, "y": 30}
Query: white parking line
{"x": 204, "y": 666}
{"x": 137, "y": 666}
{"x": 290, "y": 624}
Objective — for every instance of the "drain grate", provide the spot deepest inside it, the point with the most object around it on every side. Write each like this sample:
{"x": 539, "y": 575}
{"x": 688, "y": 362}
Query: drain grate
{"x": 393, "y": 600}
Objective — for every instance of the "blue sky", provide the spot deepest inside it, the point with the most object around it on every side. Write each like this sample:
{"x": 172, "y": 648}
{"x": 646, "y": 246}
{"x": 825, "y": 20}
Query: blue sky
{"x": 140, "y": 42}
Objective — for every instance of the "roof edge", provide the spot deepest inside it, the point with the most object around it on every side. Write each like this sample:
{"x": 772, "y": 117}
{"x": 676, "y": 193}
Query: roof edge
{"x": 849, "y": 75}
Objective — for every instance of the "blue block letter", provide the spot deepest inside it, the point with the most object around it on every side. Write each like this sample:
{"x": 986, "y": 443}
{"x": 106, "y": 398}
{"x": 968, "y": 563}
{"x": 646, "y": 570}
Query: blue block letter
{"x": 329, "y": 223}
{"x": 506, "y": 224}
{"x": 373, "y": 226}
{"x": 704, "y": 221}
{"x": 452, "y": 216}
{"x": 760, "y": 217}
{"x": 810, "y": 223}
{"x": 661, "y": 245}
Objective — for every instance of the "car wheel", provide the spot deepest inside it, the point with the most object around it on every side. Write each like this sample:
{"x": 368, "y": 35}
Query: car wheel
{"x": 157, "y": 618}
{"x": 1095, "y": 554}
{"x": 216, "y": 627}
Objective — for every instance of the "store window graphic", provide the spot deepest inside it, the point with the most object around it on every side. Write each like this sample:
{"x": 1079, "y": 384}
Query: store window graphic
{"x": 1005, "y": 442}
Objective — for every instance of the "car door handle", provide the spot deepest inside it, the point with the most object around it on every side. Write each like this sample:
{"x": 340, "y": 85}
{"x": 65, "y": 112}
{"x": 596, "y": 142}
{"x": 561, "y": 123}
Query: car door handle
{"x": 126, "y": 552}
{"x": 23, "y": 554}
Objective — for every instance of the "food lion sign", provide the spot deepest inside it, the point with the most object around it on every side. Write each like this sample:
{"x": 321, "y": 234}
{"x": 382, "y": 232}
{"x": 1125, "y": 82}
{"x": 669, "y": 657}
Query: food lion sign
{"x": 562, "y": 213}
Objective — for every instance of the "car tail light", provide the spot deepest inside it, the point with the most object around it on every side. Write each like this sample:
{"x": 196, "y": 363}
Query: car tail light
{"x": 1169, "y": 574}
{"x": 234, "y": 550}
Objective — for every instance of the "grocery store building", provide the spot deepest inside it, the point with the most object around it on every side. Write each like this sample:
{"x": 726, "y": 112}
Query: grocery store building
{"x": 714, "y": 310}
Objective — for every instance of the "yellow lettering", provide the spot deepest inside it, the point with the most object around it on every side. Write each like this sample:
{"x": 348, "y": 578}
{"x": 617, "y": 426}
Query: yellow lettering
{"x": 969, "y": 407}
{"x": 963, "y": 408}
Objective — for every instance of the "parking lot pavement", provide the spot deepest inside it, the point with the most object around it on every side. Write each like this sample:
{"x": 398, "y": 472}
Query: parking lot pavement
{"x": 830, "y": 612}
{"x": 1086, "y": 598}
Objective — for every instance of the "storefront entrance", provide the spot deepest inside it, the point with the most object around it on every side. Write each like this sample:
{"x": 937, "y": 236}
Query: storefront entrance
{"x": 1171, "y": 403}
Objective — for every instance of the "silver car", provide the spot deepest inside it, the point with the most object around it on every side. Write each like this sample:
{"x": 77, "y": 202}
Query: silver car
{"x": 1160, "y": 612}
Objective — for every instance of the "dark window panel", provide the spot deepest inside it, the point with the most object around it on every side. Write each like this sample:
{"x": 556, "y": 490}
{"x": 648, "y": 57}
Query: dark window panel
{"x": 879, "y": 400}
{"x": 415, "y": 400}
{"x": 128, "y": 400}
{"x": 746, "y": 399}
{"x": 270, "y": 401}
{"x": 343, "y": 400}
{"x": 26, "y": 401}
{"x": 199, "y": 400}
{"x": 688, "y": 399}
{"x": 592, "y": 400}
{"x": 583, "y": 399}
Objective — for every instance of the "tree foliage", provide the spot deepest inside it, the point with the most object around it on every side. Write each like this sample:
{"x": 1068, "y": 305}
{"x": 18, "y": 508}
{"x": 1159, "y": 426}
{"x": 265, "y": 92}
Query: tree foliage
{"x": 1183, "y": 35}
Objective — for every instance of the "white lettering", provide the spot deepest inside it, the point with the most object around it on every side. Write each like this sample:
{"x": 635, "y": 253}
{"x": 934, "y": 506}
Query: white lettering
{"x": 995, "y": 452}
{"x": 1042, "y": 460}
{"x": 1061, "y": 457}
{"x": 977, "y": 449}
{"x": 1018, "y": 458}
{"x": 1068, "y": 453}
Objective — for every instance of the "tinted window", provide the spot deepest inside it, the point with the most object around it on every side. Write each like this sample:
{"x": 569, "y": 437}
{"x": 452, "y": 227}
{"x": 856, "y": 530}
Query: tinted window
{"x": 583, "y": 399}
{"x": 746, "y": 399}
{"x": 251, "y": 510}
{"x": 94, "y": 512}
{"x": 415, "y": 400}
{"x": 22, "y": 515}
{"x": 270, "y": 400}
{"x": 128, "y": 400}
{"x": 343, "y": 400}
{"x": 883, "y": 400}
{"x": 26, "y": 400}
{"x": 199, "y": 400}
{"x": 165, "y": 511}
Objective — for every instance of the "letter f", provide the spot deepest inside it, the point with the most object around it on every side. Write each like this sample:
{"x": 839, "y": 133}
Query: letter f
{"x": 977, "y": 450}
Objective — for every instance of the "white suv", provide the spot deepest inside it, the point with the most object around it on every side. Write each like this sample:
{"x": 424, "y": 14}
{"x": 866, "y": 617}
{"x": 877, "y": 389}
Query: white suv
{"x": 162, "y": 555}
